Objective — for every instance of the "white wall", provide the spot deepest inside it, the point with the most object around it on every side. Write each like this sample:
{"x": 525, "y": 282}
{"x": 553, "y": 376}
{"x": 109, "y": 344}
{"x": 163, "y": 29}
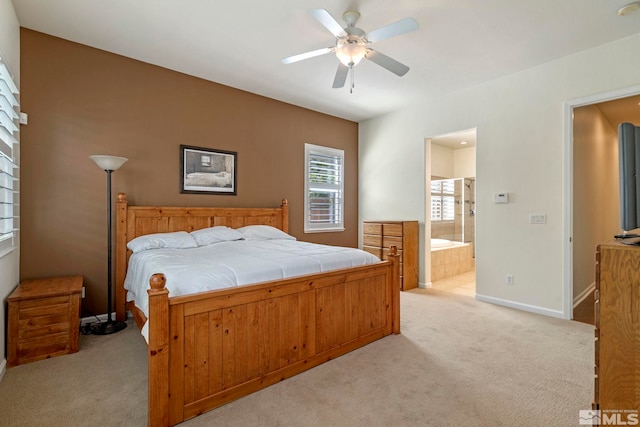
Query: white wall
{"x": 520, "y": 150}
{"x": 450, "y": 163}
{"x": 464, "y": 162}
{"x": 442, "y": 163}
{"x": 9, "y": 264}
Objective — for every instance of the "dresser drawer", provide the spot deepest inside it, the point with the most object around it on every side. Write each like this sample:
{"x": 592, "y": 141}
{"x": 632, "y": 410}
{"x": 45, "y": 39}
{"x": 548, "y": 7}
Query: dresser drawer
{"x": 392, "y": 230}
{"x": 385, "y": 255}
{"x": 372, "y": 240}
{"x": 373, "y": 250}
{"x": 388, "y": 241}
{"x": 372, "y": 228}
{"x": 379, "y": 235}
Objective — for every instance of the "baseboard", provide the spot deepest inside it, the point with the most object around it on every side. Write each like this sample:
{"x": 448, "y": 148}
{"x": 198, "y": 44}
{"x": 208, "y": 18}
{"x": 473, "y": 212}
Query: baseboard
{"x": 3, "y": 368}
{"x": 583, "y": 295}
{"x": 425, "y": 285}
{"x": 520, "y": 306}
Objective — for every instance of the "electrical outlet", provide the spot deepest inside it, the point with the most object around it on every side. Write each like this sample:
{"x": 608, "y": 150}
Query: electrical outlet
{"x": 509, "y": 279}
{"x": 537, "y": 218}
{"x": 83, "y": 292}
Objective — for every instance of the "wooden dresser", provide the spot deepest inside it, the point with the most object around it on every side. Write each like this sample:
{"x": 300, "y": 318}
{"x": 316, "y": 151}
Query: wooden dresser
{"x": 378, "y": 236}
{"x": 617, "y": 333}
{"x": 44, "y": 319}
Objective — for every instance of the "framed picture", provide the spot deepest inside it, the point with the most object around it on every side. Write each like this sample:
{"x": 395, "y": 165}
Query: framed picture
{"x": 207, "y": 171}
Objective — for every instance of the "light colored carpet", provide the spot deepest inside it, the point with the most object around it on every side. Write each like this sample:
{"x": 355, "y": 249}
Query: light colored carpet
{"x": 458, "y": 362}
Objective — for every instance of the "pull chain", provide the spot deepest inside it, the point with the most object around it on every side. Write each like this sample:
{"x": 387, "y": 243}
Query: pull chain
{"x": 352, "y": 79}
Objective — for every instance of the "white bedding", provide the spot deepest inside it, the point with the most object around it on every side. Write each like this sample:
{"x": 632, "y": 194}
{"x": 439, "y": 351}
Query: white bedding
{"x": 234, "y": 263}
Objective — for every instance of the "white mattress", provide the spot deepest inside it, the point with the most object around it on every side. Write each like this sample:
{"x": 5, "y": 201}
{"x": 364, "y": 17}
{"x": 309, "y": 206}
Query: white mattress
{"x": 235, "y": 263}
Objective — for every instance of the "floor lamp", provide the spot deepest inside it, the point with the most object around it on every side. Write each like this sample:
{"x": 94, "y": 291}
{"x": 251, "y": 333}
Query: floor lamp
{"x": 108, "y": 164}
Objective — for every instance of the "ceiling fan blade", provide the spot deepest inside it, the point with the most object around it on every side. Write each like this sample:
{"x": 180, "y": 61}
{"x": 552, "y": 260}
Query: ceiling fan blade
{"x": 307, "y": 55}
{"x": 328, "y": 21}
{"x": 388, "y": 63}
{"x": 402, "y": 26}
{"x": 341, "y": 76}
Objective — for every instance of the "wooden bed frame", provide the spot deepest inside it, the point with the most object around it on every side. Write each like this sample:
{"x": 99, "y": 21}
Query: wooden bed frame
{"x": 213, "y": 347}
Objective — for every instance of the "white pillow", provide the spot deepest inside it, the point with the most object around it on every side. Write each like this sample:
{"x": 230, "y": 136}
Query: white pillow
{"x": 176, "y": 240}
{"x": 263, "y": 232}
{"x": 219, "y": 233}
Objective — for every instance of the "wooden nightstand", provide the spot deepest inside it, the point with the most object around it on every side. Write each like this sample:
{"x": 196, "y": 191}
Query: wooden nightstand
{"x": 44, "y": 319}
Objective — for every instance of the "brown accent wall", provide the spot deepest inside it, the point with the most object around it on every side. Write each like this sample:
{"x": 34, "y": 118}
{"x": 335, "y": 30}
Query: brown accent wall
{"x": 84, "y": 101}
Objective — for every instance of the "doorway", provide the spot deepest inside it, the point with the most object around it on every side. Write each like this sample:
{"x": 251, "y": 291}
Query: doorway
{"x": 451, "y": 212}
{"x": 592, "y": 196}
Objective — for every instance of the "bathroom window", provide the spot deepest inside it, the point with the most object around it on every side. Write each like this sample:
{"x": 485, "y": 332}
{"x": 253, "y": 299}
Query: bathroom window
{"x": 442, "y": 200}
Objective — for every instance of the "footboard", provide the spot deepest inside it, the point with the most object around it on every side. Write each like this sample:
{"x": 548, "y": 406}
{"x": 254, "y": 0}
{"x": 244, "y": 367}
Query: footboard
{"x": 211, "y": 348}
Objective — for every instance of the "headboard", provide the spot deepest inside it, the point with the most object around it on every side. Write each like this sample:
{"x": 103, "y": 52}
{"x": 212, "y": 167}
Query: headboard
{"x": 134, "y": 221}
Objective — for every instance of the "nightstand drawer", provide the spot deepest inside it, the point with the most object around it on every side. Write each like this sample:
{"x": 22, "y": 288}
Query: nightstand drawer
{"x": 44, "y": 307}
{"x": 44, "y": 347}
{"x": 25, "y": 334}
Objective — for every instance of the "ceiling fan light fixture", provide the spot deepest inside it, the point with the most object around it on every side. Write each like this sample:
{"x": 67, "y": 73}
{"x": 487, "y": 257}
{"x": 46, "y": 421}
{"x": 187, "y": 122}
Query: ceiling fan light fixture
{"x": 629, "y": 8}
{"x": 350, "y": 51}
{"x": 351, "y": 45}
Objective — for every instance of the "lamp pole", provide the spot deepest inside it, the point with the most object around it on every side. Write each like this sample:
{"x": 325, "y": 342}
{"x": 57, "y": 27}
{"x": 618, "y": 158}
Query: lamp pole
{"x": 109, "y": 164}
{"x": 109, "y": 248}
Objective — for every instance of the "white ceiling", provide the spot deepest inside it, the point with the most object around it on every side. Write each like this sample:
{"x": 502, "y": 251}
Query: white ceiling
{"x": 621, "y": 110}
{"x": 240, "y": 43}
{"x": 456, "y": 140}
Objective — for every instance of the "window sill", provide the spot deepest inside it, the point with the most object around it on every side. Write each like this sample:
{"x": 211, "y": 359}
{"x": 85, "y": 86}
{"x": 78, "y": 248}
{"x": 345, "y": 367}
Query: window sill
{"x": 5, "y": 252}
{"x": 323, "y": 230}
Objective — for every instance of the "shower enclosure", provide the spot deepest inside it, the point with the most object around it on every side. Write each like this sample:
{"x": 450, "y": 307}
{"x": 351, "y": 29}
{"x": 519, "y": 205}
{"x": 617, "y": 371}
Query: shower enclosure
{"x": 453, "y": 209}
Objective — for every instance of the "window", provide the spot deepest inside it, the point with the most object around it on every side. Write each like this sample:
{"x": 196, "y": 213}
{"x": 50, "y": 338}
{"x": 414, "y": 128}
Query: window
{"x": 442, "y": 200}
{"x": 9, "y": 128}
{"x": 323, "y": 189}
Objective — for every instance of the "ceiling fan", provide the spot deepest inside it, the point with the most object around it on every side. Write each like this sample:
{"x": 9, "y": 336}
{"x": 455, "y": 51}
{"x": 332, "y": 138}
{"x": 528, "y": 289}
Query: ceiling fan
{"x": 351, "y": 44}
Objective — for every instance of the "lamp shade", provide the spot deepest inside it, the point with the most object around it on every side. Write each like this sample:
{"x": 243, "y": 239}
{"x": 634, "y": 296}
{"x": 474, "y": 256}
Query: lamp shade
{"x": 350, "y": 51}
{"x": 108, "y": 163}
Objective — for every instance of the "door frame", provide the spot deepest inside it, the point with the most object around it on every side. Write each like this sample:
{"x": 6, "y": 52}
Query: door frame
{"x": 427, "y": 200}
{"x": 567, "y": 107}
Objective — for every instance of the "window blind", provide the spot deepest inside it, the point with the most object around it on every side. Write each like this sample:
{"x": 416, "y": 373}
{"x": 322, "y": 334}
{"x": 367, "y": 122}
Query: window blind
{"x": 443, "y": 200}
{"x": 324, "y": 187}
{"x": 9, "y": 188}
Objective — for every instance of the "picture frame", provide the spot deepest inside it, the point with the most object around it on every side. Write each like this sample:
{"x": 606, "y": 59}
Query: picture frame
{"x": 208, "y": 171}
